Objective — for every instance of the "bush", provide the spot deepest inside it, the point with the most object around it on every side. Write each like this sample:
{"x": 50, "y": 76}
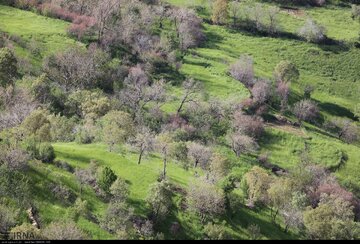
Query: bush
{"x": 243, "y": 71}
{"x": 105, "y": 178}
{"x": 62, "y": 193}
{"x": 312, "y": 32}
{"x": 63, "y": 231}
{"x": 286, "y": 71}
{"x": 46, "y": 153}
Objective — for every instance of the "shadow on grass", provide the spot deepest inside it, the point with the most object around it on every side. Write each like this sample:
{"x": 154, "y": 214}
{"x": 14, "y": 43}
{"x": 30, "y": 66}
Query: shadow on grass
{"x": 337, "y": 110}
{"x": 73, "y": 157}
{"x": 244, "y": 218}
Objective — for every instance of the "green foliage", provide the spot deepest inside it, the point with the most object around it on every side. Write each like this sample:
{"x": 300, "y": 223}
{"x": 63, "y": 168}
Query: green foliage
{"x": 216, "y": 231}
{"x": 258, "y": 182}
{"x": 159, "y": 200}
{"x": 105, "y": 178}
{"x": 332, "y": 219}
{"x": 117, "y": 127}
{"x": 88, "y": 104}
{"x": 7, "y": 218}
{"x": 220, "y": 12}
{"x": 45, "y": 153}
{"x": 119, "y": 190}
{"x": 8, "y": 67}
{"x": 286, "y": 71}
{"x": 37, "y": 125}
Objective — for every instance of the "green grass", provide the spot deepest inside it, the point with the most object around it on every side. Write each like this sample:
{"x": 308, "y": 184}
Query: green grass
{"x": 333, "y": 69}
{"x": 140, "y": 177}
{"x": 49, "y": 34}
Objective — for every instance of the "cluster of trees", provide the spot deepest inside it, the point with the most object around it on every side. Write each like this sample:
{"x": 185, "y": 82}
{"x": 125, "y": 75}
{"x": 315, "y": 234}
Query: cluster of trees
{"x": 101, "y": 93}
{"x": 257, "y": 17}
{"x": 308, "y": 199}
{"x": 265, "y": 93}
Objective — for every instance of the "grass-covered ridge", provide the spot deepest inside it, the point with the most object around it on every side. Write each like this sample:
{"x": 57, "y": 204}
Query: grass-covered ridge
{"x": 333, "y": 69}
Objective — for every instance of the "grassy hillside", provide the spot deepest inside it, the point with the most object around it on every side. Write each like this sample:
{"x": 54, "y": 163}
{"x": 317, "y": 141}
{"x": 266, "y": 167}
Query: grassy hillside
{"x": 140, "y": 177}
{"x": 334, "y": 70}
{"x": 35, "y": 36}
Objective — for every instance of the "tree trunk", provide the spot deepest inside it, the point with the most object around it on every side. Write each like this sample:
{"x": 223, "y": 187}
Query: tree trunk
{"x": 165, "y": 162}
{"x": 196, "y": 163}
{"x": 140, "y": 156}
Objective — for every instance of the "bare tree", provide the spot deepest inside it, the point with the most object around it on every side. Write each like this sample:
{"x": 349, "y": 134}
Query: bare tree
{"x": 312, "y": 31}
{"x": 76, "y": 68}
{"x": 164, "y": 145}
{"x": 345, "y": 129}
{"x": 261, "y": 91}
{"x": 138, "y": 92}
{"x": 241, "y": 143}
{"x": 283, "y": 91}
{"x": 13, "y": 158}
{"x": 199, "y": 154}
{"x": 189, "y": 28}
{"x": 243, "y": 70}
{"x": 191, "y": 87}
{"x": 306, "y": 110}
{"x": 17, "y": 105}
{"x": 105, "y": 13}
{"x": 248, "y": 125}
{"x": 143, "y": 142}
{"x": 234, "y": 11}
{"x": 206, "y": 199}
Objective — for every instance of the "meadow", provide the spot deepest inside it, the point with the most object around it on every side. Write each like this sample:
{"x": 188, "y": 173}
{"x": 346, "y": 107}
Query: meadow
{"x": 334, "y": 71}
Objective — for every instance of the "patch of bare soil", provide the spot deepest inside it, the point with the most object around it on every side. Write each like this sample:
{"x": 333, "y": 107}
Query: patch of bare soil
{"x": 294, "y": 12}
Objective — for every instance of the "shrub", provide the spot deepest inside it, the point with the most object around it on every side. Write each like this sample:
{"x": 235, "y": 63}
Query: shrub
{"x": 306, "y": 110}
{"x": 243, "y": 70}
{"x": 63, "y": 231}
{"x": 45, "y": 153}
{"x": 7, "y": 218}
{"x": 355, "y": 11}
{"x": 286, "y": 71}
{"x": 312, "y": 32}
{"x": 29, "y": 232}
{"x": 105, "y": 178}
{"x": 8, "y": 66}
{"x": 216, "y": 231}
{"x": 62, "y": 193}
{"x": 206, "y": 199}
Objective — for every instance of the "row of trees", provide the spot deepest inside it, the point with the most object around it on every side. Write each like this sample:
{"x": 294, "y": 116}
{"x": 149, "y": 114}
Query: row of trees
{"x": 262, "y": 19}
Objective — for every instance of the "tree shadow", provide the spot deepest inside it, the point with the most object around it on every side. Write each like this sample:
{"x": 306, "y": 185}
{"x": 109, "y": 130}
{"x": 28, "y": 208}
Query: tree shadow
{"x": 337, "y": 110}
{"x": 211, "y": 40}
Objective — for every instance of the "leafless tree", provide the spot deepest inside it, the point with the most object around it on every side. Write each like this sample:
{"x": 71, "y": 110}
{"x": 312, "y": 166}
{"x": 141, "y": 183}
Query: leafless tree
{"x": 76, "y": 68}
{"x": 13, "y": 158}
{"x": 189, "y": 28}
{"x": 241, "y": 143}
{"x": 105, "y": 13}
{"x": 283, "y": 91}
{"x": 138, "y": 92}
{"x": 243, "y": 70}
{"x": 144, "y": 142}
{"x": 17, "y": 105}
{"x": 261, "y": 91}
{"x": 206, "y": 199}
{"x": 248, "y": 125}
{"x": 306, "y": 110}
{"x": 345, "y": 129}
{"x": 191, "y": 88}
{"x": 199, "y": 154}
